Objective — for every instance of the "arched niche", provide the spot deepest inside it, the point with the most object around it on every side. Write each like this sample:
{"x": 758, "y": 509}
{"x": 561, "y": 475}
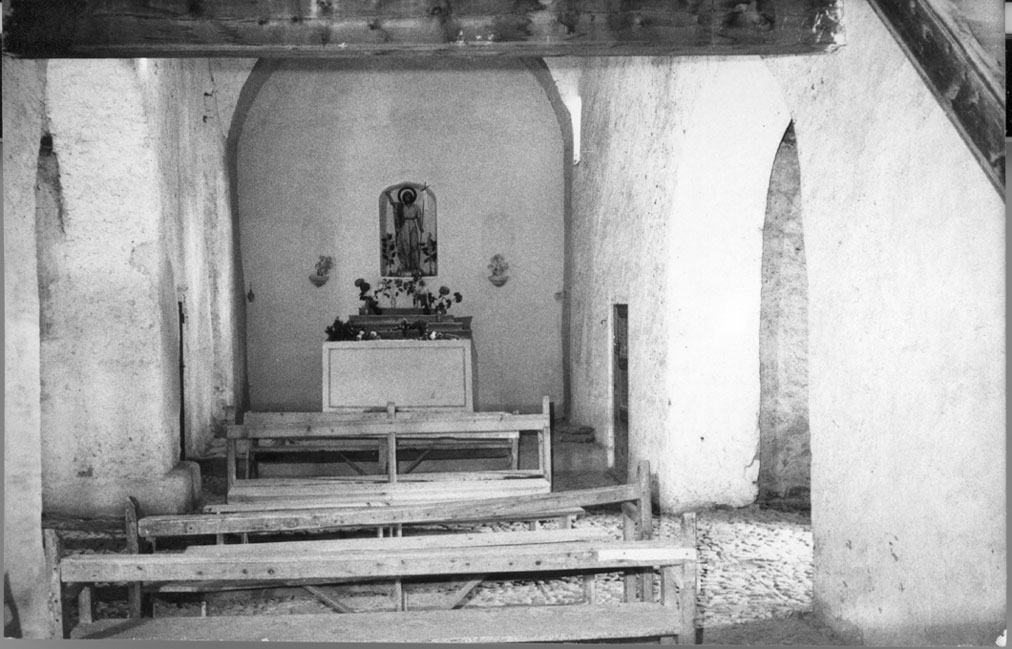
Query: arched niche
{"x": 313, "y": 145}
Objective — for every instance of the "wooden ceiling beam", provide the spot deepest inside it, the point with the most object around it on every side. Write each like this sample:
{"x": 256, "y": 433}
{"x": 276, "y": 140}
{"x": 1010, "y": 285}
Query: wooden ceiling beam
{"x": 343, "y": 28}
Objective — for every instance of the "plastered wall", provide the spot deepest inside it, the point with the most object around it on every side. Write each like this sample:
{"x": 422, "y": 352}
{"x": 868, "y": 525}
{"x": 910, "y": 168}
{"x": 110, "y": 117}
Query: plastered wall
{"x": 904, "y": 243}
{"x": 905, "y": 249}
{"x": 190, "y": 103}
{"x": 319, "y": 144}
{"x": 669, "y": 201}
{"x": 24, "y": 90}
{"x": 133, "y": 222}
{"x": 108, "y": 297}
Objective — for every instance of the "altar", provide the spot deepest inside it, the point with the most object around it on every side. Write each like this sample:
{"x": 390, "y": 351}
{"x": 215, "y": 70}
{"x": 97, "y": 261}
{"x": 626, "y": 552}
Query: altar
{"x": 424, "y": 375}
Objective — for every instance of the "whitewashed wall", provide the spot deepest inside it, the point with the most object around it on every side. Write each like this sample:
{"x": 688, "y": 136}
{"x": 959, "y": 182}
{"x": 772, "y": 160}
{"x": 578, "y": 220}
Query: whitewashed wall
{"x": 905, "y": 254}
{"x": 319, "y": 144}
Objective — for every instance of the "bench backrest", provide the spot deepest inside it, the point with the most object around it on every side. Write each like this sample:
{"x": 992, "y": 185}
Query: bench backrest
{"x": 382, "y": 422}
{"x": 381, "y": 427}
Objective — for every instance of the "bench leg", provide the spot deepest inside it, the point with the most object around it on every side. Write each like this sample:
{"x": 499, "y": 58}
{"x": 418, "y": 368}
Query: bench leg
{"x": 85, "y": 608}
{"x": 52, "y": 547}
{"x": 135, "y": 596}
{"x": 590, "y": 588}
{"x": 629, "y": 579}
{"x": 400, "y": 597}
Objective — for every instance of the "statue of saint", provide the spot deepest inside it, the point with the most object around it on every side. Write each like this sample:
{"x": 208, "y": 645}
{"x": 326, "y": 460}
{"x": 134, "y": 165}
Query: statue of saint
{"x": 409, "y": 224}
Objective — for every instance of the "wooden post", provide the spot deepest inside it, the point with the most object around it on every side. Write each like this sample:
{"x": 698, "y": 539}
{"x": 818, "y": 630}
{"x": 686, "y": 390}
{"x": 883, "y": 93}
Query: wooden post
{"x": 628, "y": 534}
{"x": 248, "y": 455}
{"x": 230, "y": 461}
{"x": 545, "y": 441}
{"x": 392, "y": 457}
{"x": 687, "y": 601}
{"x": 669, "y": 599}
{"x": 688, "y": 525}
{"x": 134, "y": 592}
{"x": 53, "y": 548}
{"x": 645, "y": 525}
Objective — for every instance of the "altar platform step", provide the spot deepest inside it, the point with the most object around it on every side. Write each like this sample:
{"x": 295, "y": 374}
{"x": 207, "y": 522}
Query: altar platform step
{"x": 574, "y": 449}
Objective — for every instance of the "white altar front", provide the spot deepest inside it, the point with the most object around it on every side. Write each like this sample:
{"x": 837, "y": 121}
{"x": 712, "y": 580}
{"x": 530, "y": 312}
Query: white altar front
{"x": 419, "y": 375}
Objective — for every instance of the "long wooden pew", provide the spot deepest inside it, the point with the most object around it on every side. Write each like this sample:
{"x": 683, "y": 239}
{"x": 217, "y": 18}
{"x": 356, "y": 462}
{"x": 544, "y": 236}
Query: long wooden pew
{"x": 258, "y": 521}
{"x": 541, "y": 555}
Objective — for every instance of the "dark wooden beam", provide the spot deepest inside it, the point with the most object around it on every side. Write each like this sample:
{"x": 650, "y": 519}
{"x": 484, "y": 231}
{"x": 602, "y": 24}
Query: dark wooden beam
{"x": 341, "y": 28}
{"x": 966, "y": 81}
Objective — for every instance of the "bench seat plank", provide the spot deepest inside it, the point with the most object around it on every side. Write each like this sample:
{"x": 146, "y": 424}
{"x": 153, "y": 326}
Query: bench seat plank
{"x": 397, "y": 543}
{"x": 485, "y": 625}
{"x": 369, "y": 564}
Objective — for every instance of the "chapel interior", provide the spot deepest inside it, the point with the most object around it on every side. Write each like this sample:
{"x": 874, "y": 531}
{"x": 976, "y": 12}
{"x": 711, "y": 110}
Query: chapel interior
{"x": 778, "y": 278}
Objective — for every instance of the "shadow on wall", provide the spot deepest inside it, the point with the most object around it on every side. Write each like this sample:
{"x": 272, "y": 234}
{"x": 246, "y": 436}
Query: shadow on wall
{"x": 12, "y": 624}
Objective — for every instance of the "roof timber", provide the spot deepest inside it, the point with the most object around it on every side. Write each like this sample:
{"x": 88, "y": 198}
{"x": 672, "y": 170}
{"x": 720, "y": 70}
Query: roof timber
{"x": 343, "y": 28}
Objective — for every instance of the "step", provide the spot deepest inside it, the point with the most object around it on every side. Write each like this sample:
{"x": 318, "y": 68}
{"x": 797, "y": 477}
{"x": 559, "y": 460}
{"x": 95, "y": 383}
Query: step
{"x": 578, "y": 456}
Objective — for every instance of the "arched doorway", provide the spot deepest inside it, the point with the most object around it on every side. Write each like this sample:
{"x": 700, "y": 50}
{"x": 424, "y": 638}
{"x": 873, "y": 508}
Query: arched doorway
{"x": 785, "y": 455}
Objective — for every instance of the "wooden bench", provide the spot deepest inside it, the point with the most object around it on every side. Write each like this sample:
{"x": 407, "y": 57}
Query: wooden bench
{"x": 247, "y": 522}
{"x": 541, "y": 555}
{"x": 385, "y": 432}
{"x": 410, "y": 450}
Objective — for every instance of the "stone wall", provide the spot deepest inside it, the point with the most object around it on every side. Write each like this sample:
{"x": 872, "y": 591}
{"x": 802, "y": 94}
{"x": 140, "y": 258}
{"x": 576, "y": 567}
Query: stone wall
{"x": 785, "y": 456}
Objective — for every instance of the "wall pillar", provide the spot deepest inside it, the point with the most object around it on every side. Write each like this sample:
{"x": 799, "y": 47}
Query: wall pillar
{"x": 24, "y": 564}
{"x": 109, "y": 326}
{"x": 713, "y": 278}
